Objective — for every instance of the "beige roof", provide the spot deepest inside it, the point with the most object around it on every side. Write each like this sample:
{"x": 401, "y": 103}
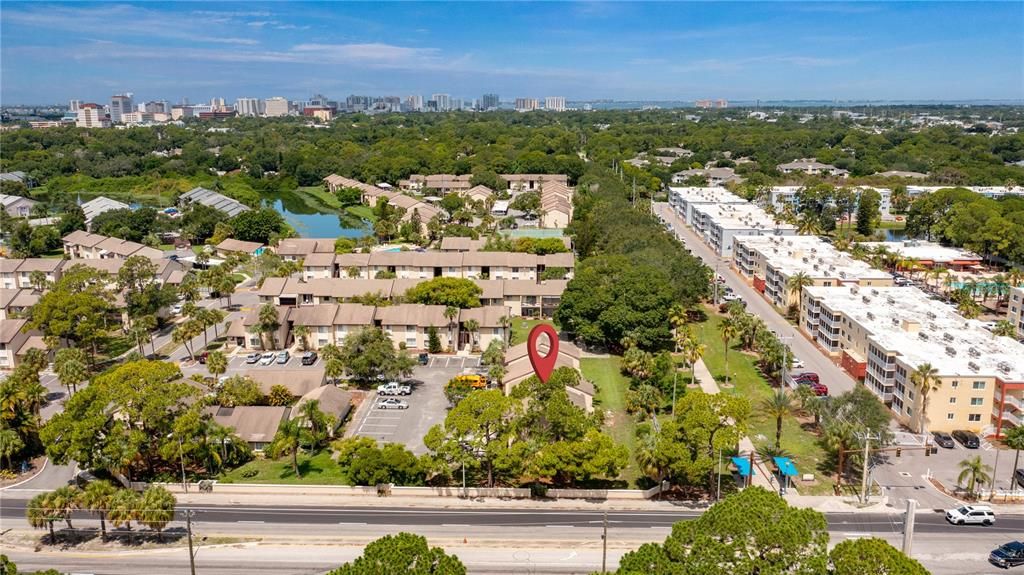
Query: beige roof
{"x": 272, "y": 287}
{"x": 403, "y": 201}
{"x": 297, "y": 381}
{"x": 304, "y": 246}
{"x": 333, "y": 401}
{"x": 461, "y": 244}
{"x": 417, "y": 314}
{"x": 83, "y": 238}
{"x": 530, "y": 287}
{"x": 426, "y": 211}
{"x": 344, "y": 288}
{"x": 500, "y": 259}
{"x": 492, "y": 289}
{"x": 400, "y": 286}
{"x": 512, "y": 178}
{"x": 313, "y": 315}
{"x": 126, "y": 248}
{"x": 318, "y": 260}
{"x": 9, "y": 265}
{"x": 18, "y": 298}
{"x": 448, "y": 181}
{"x": 233, "y": 245}
{"x": 343, "y": 182}
{"x": 176, "y": 277}
{"x": 33, "y": 342}
{"x": 346, "y": 261}
{"x": 108, "y": 265}
{"x": 354, "y": 314}
{"x": 487, "y": 316}
{"x": 479, "y": 191}
{"x": 416, "y": 259}
{"x": 252, "y": 423}
{"x": 562, "y": 260}
{"x": 10, "y": 328}
{"x": 48, "y": 265}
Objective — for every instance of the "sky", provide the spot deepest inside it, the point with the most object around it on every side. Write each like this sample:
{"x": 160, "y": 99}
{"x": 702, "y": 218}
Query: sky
{"x": 53, "y": 52}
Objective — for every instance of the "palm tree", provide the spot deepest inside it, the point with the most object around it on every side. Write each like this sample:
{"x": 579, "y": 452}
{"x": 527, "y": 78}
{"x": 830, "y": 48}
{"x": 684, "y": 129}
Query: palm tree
{"x": 506, "y": 327}
{"x": 123, "y": 508}
{"x": 1015, "y": 277}
{"x": 96, "y": 498}
{"x": 288, "y": 439}
{"x": 334, "y": 368}
{"x": 216, "y": 363}
{"x": 809, "y": 225}
{"x": 157, "y": 509}
{"x": 778, "y": 405}
{"x": 1014, "y": 439}
{"x": 693, "y": 350}
{"x": 268, "y": 322}
{"x": 185, "y": 333}
{"x": 728, "y": 330}
{"x": 312, "y": 417}
{"x": 63, "y": 501}
{"x": 212, "y": 318}
{"x": 926, "y": 380}
{"x": 10, "y": 445}
{"x": 39, "y": 514}
{"x": 968, "y": 308}
{"x": 450, "y": 313}
{"x": 1004, "y": 328}
{"x": 677, "y": 317}
{"x": 225, "y": 287}
{"x": 472, "y": 326}
{"x": 975, "y": 472}
{"x": 72, "y": 367}
{"x": 302, "y": 332}
{"x": 810, "y": 403}
{"x": 795, "y": 286}
{"x": 645, "y": 398}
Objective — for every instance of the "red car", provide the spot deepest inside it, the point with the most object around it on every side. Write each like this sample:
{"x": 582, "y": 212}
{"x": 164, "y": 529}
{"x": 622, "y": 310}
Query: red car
{"x": 806, "y": 376}
{"x": 820, "y": 389}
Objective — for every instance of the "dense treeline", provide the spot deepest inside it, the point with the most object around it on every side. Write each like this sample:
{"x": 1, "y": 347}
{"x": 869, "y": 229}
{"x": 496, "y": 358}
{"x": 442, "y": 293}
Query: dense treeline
{"x": 632, "y": 271}
{"x": 964, "y": 218}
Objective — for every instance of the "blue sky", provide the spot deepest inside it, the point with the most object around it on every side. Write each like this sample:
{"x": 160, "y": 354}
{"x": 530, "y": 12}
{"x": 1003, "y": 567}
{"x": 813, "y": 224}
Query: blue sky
{"x": 739, "y": 51}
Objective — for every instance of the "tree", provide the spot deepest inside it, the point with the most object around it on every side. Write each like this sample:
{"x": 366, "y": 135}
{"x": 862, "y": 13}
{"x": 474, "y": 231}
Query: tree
{"x": 156, "y": 509}
{"x": 11, "y": 444}
{"x": 1004, "y": 328}
{"x": 402, "y": 554}
{"x": 369, "y": 353}
{"x": 925, "y": 380}
{"x": 974, "y": 471}
{"x": 871, "y": 556}
{"x": 796, "y": 284}
{"x": 433, "y": 340}
{"x": 778, "y": 405}
{"x": 40, "y": 513}
{"x": 72, "y": 367}
{"x": 239, "y": 390}
{"x": 96, "y": 498}
{"x": 527, "y": 202}
{"x": 728, "y": 329}
{"x": 447, "y": 291}
{"x": 475, "y": 432}
{"x": 1014, "y": 439}
{"x": 450, "y": 313}
{"x": 75, "y": 309}
{"x": 334, "y": 369}
{"x": 267, "y": 323}
{"x": 390, "y": 464}
{"x": 63, "y": 502}
{"x": 753, "y": 531}
{"x": 868, "y": 214}
{"x": 216, "y": 363}
{"x": 302, "y": 333}
{"x": 287, "y": 441}
{"x": 185, "y": 333}
{"x": 124, "y": 508}
{"x": 473, "y": 327}
{"x": 257, "y": 225}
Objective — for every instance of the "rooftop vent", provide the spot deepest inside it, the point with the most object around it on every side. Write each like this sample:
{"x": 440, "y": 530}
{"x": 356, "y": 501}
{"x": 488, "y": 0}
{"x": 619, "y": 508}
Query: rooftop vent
{"x": 874, "y": 291}
{"x": 895, "y": 321}
{"x": 931, "y": 315}
{"x": 973, "y": 351}
{"x": 865, "y": 299}
{"x": 950, "y": 351}
{"x": 974, "y": 366}
{"x": 871, "y": 315}
{"x": 1004, "y": 366}
{"x": 854, "y": 290}
{"x": 890, "y": 300}
{"x": 947, "y": 336}
{"x": 922, "y": 335}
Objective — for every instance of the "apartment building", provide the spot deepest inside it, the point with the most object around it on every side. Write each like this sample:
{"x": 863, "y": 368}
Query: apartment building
{"x": 91, "y": 116}
{"x": 1015, "y": 310}
{"x": 782, "y": 196}
{"x": 431, "y": 264}
{"x": 13, "y": 342}
{"x": 930, "y": 254}
{"x": 84, "y": 245}
{"x": 526, "y": 104}
{"x": 554, "y": 103}
{"x": 15, "y": 302}
{"x": 212, "y": 199}
{"x": 17, "y": 206}
{"x": 684, "y": 199}
{"x": 714, "y": 176}
{"x": 294, "y": 249}
{"x": 811, "y": 166}
{"x": 770, "y": 261}
{"x": 275, "y": 107}
{"x": 99, "y": 205}
{"x": 533, "y": 182}
{"x": 719, "y": 224}
{"x": 249, "y": 107}
{"x": 884, "y": 334}
{"x": 17, "y": 273}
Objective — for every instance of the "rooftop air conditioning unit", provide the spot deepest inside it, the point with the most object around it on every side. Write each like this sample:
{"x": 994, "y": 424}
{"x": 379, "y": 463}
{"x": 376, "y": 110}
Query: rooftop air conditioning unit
{"x": 865, "y": 299}
{"x": 931, "y": 315}
{"x": 890, "y": 300}
{"x": 973, "y": 366}
{"x": 973, "y": 351}
{"x": 871, "y": 315}
{"x": 950, "y": 351}
{"x": 1004, "y": 366}
{"x": 922, "y": 335}
{"x": 874, "y": 292}
{"x": 947, "y": 336}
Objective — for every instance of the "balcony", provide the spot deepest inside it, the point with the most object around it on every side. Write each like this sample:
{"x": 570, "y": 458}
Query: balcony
{"x": 1008, "y": 416}
{"x": 1014, "y": 401}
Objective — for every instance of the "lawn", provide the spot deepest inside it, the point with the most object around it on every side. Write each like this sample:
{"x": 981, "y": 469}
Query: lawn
{"x": 892, "y": 225}
{"x": 318, "y": 198}
{"x": 364, "y": 212}
{"x": 748, "y": 382}
{"x": 611, "y": 386}
{"x": 521, "y": 328}
{"x": 319, "y": 469}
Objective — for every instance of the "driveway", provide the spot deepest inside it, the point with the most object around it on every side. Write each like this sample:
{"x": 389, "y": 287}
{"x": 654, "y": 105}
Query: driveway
{"x": 815, "y": 360}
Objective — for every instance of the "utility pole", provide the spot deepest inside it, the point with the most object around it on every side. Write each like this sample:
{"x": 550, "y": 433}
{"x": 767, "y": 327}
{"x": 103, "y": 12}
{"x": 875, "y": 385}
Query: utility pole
{"x": 864, "y": 478}
{"x": 604, "y": 545}
{"x": 992, "y": 482}
{"x": 191, "y": 554}
{"x": 908, "y": 526}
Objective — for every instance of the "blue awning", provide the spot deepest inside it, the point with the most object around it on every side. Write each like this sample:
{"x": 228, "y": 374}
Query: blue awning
{"x": 743, "y": 465}
{"x": 786, "y": 466}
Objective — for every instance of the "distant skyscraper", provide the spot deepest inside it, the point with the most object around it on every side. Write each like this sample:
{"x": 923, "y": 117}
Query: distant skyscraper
{"x": 456, "y": 103}
{"x": 490, "y": 102}
{"x": 158, "y": 107}
{"x": 120, "y": 104}
{"x": 276, "y": 106}
{"x": 554, "y": 103}
{"x": 217, "y": 104}
{"x": 91, "y": 116}
{"x": 443, "y": 102}
{"x": 414, "y": 103}
{"x": 526, "y": 104}
{"x": 248, "y": 106}
{"x": 73, "y": 105}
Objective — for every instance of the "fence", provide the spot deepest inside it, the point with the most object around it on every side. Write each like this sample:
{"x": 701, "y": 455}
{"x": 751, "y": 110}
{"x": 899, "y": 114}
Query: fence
{"x": 367, "y": 491}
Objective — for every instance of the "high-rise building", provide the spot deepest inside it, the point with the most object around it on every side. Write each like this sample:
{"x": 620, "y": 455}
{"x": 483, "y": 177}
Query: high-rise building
{"x": 157, "y": 107}
{"x": 442, "y": 101}
{"x": 456, "y": 103}
{"x": 248, "y": 106}
{"x": 526, "y": 104}
{"x": 91, "y": 116}
{"x": 414, "y": 103}
{"x": 275, "y": 107}
{"x": 73, "y": 105}
{"x": 554, "y": 103}
{"x": 490, "y": 102}
{"x": 120, "y": 104}
{"x": 217, "y": 104}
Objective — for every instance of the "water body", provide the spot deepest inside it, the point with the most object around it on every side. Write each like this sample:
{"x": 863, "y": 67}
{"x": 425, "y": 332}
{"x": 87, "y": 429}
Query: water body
{"x": 312, "y": 223}
{"x": 895, "y": 235}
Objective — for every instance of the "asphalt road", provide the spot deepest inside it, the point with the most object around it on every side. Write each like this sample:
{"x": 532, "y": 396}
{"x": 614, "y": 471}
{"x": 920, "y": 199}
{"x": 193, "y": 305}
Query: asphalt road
{"x": 815, "y": 360}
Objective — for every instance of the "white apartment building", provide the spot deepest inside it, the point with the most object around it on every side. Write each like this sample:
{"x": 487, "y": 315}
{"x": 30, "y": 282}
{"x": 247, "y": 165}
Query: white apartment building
{"x": 1015, "y": 311}
{"x": 719, "y": 224}
{"x": 987, "y": 191}
{"x": 884, "y": 334}
{"x": 526, "y": 104}
{"x": 684, "y": 199}
{"x": 249, "y": 107}
{"x": 73, "y": 105}
{"x": 770, "y": 261}
{"x": 414, "y": 103}
{"x": 781, "y": 196}
{"x": 811, "y": 166}
{"x": 443, "y": 102}
{"x": 275, "y": 107}
{"x": 554, "y": 103}
{"x": 91, "y": 116}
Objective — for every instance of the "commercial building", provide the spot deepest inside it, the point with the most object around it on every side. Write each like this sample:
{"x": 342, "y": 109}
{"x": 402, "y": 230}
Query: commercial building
{"x": 275, "y": 107}
{"x": 719, "y": 224}
{"x": 770, "y": 261}
{"x": 684, "y": 199}
{"x": 120, "y": 104}
{"x": 554, "y": 103}
{"x": 91, "y": 116}
{"x": 884, "y": 334}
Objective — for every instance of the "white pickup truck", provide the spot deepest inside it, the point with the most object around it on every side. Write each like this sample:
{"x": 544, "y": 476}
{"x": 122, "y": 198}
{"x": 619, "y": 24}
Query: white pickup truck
{"x": 393, "y": 388}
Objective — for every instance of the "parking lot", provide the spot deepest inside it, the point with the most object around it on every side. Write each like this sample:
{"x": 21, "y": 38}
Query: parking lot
{"x": 427, "y": 406}
{"x": 237, "y": 365}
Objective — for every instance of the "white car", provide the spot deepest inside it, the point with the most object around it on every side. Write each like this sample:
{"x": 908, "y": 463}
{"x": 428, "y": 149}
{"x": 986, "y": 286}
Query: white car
{"x": 971, "y": 515}
{"x": 392, "y": 403}
{"x": 268, "y": 358}
{"x": 176, "y": 309}
{"x": 798, "y": 363}
{"x": 393, "y": 388}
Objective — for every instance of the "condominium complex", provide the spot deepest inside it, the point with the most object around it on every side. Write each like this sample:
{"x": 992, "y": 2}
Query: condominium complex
{"x": 554, "y": 103}
{"x": 770, "y": 261}
{"x": 490, "y": 102}
{"x": 718, "y": 224}
{"x": 684, "y": 200}
{"x": 442, "y": 102}
{"x": 781, "y": 196}
{"x": 1015, "y": 310}
{"x": 249, "y": 106}
{"x": 884, "y": 334}
{"x": 526, "y": 104}
{"x": 91, "y": 116}
{"x": 930, "y": 254}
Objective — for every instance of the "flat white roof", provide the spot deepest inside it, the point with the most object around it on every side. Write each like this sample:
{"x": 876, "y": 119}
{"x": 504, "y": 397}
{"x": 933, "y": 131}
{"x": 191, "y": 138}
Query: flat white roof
{"x": 709, "y": 195}
{"x": 811, "y": 255}
{"x": 922, "y": 250}
{"x": 741, "y": 217}
{"x": 955, "y": 346}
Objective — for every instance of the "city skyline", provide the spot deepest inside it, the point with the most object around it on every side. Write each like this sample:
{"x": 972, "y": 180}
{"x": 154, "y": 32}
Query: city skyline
{"x": 88, "y": 51}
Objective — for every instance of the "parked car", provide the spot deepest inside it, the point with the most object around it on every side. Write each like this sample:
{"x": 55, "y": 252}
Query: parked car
{"x": 1018, "y": 476}
{"x": 267, "y": 358}
{"x": 731, "y": 296}
{"x": 392, "y": 403}
{"x": 971, "y": 515}
{"x": 252, "y": 358}
{"x": 202, "y": 357}
{"x": 176, "y": 309}
{"x": 1009, "y": 555}
{"x": 967, "y": 438}
{"x": 943, "y": 439}
{"x": 283, "y": 357}
{"x": 820, "y": 389}
{"x": 393, "y": 388}
{"x": 798, "y": 363}
{"x": 424, "y": 358}
{"x": 807, "y": 376}
{"x": 309, "y": 358}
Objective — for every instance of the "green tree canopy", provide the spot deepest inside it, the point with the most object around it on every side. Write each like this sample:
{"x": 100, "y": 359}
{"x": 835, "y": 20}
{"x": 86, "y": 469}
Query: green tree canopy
{"x": 402, "y": 554}
{"x": 447, "y": 291}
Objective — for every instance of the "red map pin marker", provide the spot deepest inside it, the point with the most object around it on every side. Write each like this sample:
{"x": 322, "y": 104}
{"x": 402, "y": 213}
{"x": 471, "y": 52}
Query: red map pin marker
{"x": 543, "y": 365}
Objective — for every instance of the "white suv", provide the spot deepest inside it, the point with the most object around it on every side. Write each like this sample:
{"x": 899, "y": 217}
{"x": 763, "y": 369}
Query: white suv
{"x": 971, "y": 514}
